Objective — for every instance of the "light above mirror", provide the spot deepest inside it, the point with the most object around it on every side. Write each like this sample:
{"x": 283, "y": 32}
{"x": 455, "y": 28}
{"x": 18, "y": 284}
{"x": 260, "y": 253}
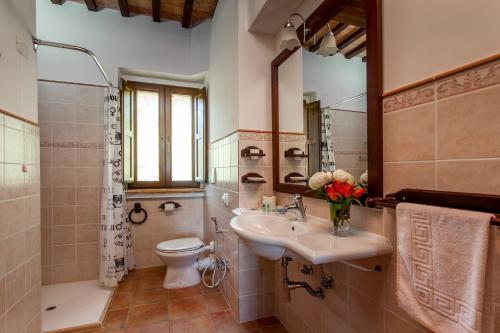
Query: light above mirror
{"x": 289, "y": 38}
{"x": 328, "y": 45}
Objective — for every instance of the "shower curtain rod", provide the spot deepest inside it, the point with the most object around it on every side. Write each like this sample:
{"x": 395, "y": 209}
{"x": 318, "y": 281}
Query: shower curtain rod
{"x": 345, "y": 101}
{"x": 37, "y": 42}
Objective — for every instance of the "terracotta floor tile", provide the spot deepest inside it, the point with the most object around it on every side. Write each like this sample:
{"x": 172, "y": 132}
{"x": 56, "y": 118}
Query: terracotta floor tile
{"x": 121, "y": 300}
{"x": 147, "y": 314}
{"x": 201, "y": 324}
{"x": 115, "y": 320}
{"x": 151, "y": 271}
{"x": 150, "y": 296}
{"x": 216, "y": 303}
{"x": 268, "y": 321}
{"x": 150, "y": 282}
{"x": 273, "y": 329}
{"x": 225, "y": 323}
{"x": 163, "y": 327}
{"x": 184, "y": 292}
{"x": 187, "y": 307}
{"x": 128, "y": 284}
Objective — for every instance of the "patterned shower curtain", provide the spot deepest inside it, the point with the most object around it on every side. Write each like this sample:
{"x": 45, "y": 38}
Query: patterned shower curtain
{"x": 327, "y": 153}
{"x": 116, "y": 251}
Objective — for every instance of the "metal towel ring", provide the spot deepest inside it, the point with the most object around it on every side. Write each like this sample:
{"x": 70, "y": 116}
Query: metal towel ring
{"x": 138, "y": 209}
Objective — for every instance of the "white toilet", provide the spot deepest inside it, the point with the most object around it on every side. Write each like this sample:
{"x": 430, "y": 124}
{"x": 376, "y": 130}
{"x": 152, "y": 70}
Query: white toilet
{"x": 181, "y": 258}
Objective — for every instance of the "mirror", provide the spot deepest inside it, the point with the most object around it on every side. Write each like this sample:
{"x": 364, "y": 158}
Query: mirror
{"x": 322, "y": 104}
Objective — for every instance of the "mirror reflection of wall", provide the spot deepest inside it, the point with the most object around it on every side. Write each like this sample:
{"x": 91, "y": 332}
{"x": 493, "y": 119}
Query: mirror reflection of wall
{"x": 322, "y": 114}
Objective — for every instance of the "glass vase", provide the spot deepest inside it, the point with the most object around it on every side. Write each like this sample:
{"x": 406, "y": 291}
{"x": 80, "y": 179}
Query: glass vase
{"x": 340, "y": 219}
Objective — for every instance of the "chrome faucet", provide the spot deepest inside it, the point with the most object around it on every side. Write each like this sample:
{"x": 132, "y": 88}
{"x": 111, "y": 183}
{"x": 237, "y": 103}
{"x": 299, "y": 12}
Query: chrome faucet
{"x": 296, "y": 206}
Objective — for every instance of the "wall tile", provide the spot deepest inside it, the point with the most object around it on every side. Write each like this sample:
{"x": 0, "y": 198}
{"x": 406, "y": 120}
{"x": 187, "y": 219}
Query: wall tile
{"x": 417, "y": 175}
{"x": 409, "y": 135}
{"x": 478, "y": 176}
{"x": 467, "y": 123}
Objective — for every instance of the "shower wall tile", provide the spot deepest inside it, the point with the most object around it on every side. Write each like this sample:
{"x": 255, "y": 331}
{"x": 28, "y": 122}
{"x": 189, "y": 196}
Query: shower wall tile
{"x": 71, "y": 151}
{"x": 20, "y": 242}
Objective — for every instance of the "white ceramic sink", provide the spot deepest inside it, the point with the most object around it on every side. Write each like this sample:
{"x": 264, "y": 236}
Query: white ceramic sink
{"x": 273, "y": 236}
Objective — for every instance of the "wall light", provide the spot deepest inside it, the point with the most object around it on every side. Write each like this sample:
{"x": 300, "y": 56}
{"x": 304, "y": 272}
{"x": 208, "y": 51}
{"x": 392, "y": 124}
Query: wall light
{"x": 328, "y": 46}
{"x": 289, "y": 38}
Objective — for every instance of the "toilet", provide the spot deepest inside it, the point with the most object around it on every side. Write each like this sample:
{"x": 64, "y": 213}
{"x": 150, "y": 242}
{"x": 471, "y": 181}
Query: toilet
{"x": 181, "y": 256}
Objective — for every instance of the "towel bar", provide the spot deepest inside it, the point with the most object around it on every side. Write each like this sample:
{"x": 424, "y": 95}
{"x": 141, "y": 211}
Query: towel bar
{"x": 469, "y": 201}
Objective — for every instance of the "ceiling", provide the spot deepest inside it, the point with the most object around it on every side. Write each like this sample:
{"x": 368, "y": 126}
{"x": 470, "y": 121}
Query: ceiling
{"x": 349, "y": 29}
{"x": 188, "y": 12}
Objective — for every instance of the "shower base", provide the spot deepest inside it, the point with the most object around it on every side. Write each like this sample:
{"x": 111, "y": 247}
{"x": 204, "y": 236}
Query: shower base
{"x": 78, "y": 305}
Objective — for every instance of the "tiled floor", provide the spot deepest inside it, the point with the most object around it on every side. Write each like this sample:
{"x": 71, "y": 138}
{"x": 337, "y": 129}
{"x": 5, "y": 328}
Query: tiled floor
{"x": 141, "y": 305}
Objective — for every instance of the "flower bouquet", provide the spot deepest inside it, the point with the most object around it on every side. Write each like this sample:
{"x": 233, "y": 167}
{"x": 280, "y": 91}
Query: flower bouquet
{"x": 339, "y": 189}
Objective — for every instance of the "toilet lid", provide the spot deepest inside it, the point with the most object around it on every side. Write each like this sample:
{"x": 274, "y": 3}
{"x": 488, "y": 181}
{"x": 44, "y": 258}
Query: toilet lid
{"x": 180, "y": 245}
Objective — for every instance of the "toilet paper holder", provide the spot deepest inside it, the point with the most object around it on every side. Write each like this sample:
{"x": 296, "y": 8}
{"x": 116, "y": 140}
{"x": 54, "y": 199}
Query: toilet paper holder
{"x": 176, "y": 204}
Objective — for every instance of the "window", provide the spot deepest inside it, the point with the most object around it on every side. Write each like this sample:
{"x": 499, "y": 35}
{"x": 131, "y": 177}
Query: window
{"x": 163, "y": 135}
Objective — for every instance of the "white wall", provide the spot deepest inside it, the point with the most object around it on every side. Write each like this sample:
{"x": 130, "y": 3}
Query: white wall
{"x": 18, "y": 86}
{"x": 223, "y": 76}
{"x": 335, "y": 79}
{"x": 291, "y": 115}
{"x": 135, "y": 42}
{"x": 255, "y": 53}
{"x": 424, "y": 38}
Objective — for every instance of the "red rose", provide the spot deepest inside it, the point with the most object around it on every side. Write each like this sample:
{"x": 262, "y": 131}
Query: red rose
{"x": 358, "y": 192}
{"x": 330, "y": 192}
{"x": 344, "y": 189}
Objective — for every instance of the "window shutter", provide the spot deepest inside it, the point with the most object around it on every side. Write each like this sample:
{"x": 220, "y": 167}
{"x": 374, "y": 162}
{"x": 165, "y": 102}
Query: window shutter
{"x": 128, "y": 132}
{"x": 199, "y": 135}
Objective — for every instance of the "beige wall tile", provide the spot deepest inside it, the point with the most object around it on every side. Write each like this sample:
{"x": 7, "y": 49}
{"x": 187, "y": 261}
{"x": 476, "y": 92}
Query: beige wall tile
{"x": 63, "y": 157}
{"x": 417, "y": 175}
{"x": 87, "y": 252}
{"x": 14, "y": 216}
{"x": 15, "y": 282}
{"x": 477, "y": 176}
{"x": 87, "y": 196}
{"x": 409, "y": 135}
{"x": 63, "y": 177}
{"x": 64, "y": 196}
{"x": 88, "y": 270}
{"x": 33, "y": 272}
{"x": 64, "y": 273}
{"x": 63, "y": 112}
{"x": 63, "y": 132}
{"x": 33, "y": 242}
{"x": 64, "y": 215}
{"x": 87, "y": 214}
{"x": 14, "y": 246}
{"x": 64, "y": 254}
{"x": 16, "y": 318}
{"x": 364, "y": 314}
{"x": 64, "y": 235}
{"x": 466, "y": 124}
{"x": 13, "y": 181}
{"x": 88, "y": 177}
{"x": 86, "y": 233}
{"x": 14, "y": 149}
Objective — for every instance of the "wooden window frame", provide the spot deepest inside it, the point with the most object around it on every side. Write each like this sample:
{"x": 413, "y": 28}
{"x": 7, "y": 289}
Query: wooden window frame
{"x": 165, "y": 135}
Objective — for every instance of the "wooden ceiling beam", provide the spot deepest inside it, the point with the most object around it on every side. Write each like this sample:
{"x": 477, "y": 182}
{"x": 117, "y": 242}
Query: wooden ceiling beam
{"x": 91, "y": 5}
{"x": 355, "y": 51}
{"x": 351, "y": 38}
{"x": 187, "y": 13}
{"x": 57, "y": 2}
{"x": 156, "y": 10}
{"x": 336, "y": 30}
{"x": 322, "y": 15}
{"x": 124, "y": 8}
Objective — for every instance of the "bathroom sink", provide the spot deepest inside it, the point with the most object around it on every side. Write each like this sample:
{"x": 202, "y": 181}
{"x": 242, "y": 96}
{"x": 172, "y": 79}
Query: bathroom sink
{"x": 274, "y": 236}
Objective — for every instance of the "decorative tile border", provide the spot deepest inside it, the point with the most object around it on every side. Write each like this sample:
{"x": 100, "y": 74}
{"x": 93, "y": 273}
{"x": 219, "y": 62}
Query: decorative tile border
{"x": 477, "y": 78}
{"x": 289, "y": 137}
{"x": 44, "y": 144}
{"x": 442, "y": 86}
{"x": 414, "y": 97}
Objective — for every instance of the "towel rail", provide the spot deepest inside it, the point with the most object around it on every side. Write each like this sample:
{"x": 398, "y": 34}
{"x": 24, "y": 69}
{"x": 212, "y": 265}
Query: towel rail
{"x": 469, "y": 201}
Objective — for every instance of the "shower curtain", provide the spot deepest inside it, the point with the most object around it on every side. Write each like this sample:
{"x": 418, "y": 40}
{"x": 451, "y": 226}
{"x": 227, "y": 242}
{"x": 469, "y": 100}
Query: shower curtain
{"x": 327, "y": 153}
{"x": 116, "y": 251}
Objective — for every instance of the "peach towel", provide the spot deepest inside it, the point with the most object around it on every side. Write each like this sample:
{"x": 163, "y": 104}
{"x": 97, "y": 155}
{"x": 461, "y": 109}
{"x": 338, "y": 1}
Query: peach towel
{"x": 445, "y": 268}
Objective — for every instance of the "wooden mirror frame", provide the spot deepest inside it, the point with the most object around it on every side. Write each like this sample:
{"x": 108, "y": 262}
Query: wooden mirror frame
{"x": 323, "y": 14}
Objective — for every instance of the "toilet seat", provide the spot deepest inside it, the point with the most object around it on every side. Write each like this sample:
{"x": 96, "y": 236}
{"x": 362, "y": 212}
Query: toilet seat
{"x": 180, "y": 245}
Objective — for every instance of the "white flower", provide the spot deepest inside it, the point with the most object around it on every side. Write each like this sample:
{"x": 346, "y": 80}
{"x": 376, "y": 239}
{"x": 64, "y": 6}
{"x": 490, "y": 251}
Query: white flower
{"x": 320, "y": 179}
{"x": 341, "y": 176}
{"x": 364, "y": 178}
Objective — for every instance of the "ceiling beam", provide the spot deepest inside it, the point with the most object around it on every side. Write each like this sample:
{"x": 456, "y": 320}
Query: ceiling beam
{"x": 351, "y": 38}
{"x": 124, "y": 8}
{"x": 187, "y": 13}
{"x": 156, "y": 10}
{"x": 91, "y": 5}
{"x": 336, "y": 30}
{"x": 322, "y": 15}
{"x": 57, "y": 2}
{"x": 363, "y": 59}
{"x": 355, "y": 51}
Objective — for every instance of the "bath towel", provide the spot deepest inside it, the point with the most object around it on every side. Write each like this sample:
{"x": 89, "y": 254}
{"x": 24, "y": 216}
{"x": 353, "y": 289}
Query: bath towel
{"x": 445, "y": 268}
